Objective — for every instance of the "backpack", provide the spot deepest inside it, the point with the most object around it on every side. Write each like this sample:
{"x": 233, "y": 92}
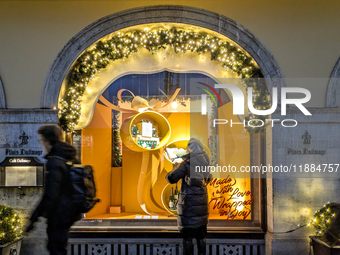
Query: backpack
{"x": 83, "y": 188}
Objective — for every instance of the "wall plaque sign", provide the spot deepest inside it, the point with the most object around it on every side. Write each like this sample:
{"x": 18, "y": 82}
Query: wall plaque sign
{"x": 306, "y": 139}
{"x": 16, "y": 141}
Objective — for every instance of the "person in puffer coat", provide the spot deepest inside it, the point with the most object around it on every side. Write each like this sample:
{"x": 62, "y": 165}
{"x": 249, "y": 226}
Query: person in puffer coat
{"x": 192, "y": 207}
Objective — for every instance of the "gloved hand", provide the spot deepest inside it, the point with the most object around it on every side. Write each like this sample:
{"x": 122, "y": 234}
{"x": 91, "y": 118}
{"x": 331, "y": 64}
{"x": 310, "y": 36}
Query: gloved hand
{"x": 175, "y": 166}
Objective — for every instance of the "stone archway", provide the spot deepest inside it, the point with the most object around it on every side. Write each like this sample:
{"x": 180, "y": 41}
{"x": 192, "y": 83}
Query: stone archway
{"x": 168, "y": 14}
{"x": 2, "y": 96}
{"x": 333, "y": 89}
{"x": 154, "y": 14}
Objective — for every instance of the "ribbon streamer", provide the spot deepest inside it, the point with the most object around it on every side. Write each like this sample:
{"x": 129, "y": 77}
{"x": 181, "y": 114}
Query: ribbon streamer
{"x": 138, "y": 103}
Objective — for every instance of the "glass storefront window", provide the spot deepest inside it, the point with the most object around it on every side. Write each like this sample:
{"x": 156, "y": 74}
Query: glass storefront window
{"x": 137, "y": 189}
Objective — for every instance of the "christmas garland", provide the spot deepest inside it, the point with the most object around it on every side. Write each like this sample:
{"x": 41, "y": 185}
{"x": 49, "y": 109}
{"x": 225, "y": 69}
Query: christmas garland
{"x": 122, "y": 46}
{"x": 116, "y": 150}
{"x": 212, "y": 141}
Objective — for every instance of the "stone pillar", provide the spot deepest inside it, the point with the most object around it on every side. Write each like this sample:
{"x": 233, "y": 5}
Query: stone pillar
{"x": 294, "y": 200}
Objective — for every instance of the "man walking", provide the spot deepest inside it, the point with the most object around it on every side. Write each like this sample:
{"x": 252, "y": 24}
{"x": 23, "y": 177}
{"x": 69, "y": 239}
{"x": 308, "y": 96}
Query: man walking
{"x": 56, "y": 203}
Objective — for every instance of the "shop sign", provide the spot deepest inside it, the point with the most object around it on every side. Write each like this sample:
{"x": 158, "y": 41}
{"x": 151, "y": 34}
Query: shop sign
{"x": 306, "y": 137}
{"x": 19, "y": 160}
{"x": 230, "y": 200}
{"x": 23, "y": 152}
{"x": 16, "y": 146}
{"x": 24, "y": 138}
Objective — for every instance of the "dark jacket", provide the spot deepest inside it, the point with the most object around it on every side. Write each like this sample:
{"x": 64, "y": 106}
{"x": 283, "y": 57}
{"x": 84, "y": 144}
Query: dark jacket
{"x": 192, "y": 207}
{"x": 56, "y": 203}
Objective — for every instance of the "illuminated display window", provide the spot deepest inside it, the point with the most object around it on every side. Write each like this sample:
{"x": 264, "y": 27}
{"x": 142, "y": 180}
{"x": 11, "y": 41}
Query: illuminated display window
{"x": 147, "y": 144}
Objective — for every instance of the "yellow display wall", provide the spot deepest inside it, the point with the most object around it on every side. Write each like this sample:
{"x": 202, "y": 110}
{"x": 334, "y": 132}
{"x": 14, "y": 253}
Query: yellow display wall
{"x": 132, "y": 164}
{"x": 138, "y": 185}
{"x": 96, "y": 151}
{"x": 116, "y": 186}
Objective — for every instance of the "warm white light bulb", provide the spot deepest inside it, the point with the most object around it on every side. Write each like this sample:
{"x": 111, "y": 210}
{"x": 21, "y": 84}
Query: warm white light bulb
{"x": 142, "y": 109}
{"x": 174, "y": 104}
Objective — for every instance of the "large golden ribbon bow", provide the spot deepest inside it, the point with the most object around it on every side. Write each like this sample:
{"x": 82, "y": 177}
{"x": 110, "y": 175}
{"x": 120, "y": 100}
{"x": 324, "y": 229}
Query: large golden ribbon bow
{"x": 138, "y": 103}
{"x": 151, "y": 166}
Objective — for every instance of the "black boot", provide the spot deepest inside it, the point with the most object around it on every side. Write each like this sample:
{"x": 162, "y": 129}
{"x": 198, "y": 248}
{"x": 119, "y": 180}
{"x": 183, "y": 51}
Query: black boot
{"x": 188, "y": 247}
{"x": 201, "y": 245}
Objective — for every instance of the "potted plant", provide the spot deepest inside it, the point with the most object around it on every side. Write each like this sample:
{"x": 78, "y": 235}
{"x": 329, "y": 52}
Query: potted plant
{"x": 10, "y": 231}
{"x": 326, "y": 223}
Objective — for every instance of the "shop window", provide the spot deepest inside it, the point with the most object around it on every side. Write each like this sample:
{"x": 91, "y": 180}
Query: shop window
{"x": 130, "y": 175}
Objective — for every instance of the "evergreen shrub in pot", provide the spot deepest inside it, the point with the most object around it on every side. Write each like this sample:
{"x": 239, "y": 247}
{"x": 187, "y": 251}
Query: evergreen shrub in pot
{"x": 326, "y": 222}
{"x": 10, "y": 231}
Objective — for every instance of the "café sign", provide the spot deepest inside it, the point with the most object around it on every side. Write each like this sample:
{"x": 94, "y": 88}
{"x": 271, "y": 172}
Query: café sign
{"x": 19, "y": 160}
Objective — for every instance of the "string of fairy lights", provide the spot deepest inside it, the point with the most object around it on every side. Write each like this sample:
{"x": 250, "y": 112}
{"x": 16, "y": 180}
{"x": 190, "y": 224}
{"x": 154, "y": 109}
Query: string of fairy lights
{"x": 9, "y": 224}
{"x": 321, "y": 222}
{"x": 323, "y": 217}
{"x": 123, "y": 45}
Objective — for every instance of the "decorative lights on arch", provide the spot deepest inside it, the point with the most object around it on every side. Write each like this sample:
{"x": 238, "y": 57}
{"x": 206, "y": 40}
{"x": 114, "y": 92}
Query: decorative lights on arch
{"x": 124, "y": 45}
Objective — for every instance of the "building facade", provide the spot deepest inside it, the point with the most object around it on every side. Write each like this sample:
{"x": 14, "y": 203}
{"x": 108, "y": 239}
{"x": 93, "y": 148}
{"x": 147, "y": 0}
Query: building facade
{"x": 292, "y": 43}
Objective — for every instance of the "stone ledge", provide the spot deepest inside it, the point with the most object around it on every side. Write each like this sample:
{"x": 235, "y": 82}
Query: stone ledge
{"x": 284, "y": 245}
{"x": 9, "y": 116}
